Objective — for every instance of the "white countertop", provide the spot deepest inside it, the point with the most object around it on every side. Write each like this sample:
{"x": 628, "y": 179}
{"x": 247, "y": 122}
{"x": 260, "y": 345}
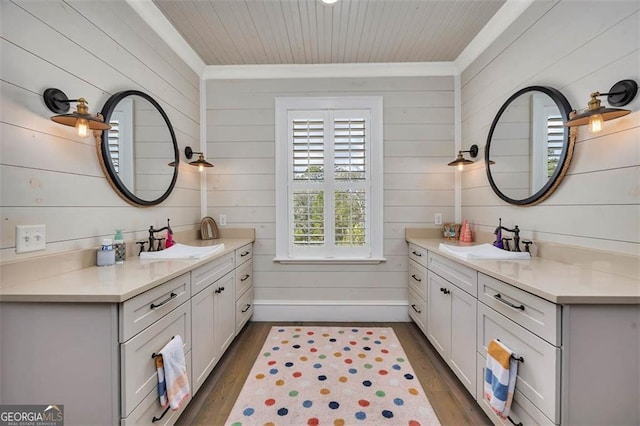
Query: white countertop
{"x": 554, "y": 281}
{"x": 109, "y": 284}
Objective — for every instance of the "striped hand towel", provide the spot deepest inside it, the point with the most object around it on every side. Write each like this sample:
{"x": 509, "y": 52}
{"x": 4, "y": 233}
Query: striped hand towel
{"x": 162, "y": 385}
{"x": 175, "y": 372}
{"x": 500, "y": 377}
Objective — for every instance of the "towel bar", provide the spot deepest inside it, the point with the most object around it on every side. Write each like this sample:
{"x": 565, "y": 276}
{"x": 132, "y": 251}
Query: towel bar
{"x": 157, "y": 419}
{"x": 153, "y": 355}
{"x": 517, "y": 358}
{"x": 508, "y": 417}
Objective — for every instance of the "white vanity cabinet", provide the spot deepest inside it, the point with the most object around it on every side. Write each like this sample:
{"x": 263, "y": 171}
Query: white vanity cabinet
{"x": 451, "y": 316}
{"x": 147, "y": 323}
{"x": 442, "y": 302}
{"x": 418, "y": 286}
{"x": 213, "y": 321}
{"x": 85, "y": 339}
{"x": 579, "y": 348}
{"x": 220, "y": 308}
{"x": 244, "y": 286}
{"x": 530, "y": 326}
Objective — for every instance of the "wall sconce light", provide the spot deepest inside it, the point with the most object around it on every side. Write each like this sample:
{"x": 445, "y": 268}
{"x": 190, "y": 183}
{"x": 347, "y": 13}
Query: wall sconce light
{"x": 58, "y": 103}
{"x": 619, "y": 95}
{"x": 460, "y": 161}
{"x": 201, "y": 163}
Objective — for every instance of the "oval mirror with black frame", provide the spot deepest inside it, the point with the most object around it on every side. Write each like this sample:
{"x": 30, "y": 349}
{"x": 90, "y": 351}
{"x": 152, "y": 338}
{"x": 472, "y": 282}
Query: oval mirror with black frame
{"x": 139, "y": 154}
{"x": 528, "y": 149}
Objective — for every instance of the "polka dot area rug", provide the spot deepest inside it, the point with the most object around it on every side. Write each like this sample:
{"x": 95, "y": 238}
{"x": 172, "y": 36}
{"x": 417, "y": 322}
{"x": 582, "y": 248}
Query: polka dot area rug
{"x": 332, "y": 376}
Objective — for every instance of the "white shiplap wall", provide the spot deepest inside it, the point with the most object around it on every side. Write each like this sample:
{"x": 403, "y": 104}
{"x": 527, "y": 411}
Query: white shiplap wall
{"x": 578, "y": 49}
{"x": 48, "y": 175}
{"x": 419, "y": 140}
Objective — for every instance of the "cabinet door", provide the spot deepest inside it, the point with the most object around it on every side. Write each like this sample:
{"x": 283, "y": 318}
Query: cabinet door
{"x": 225, "y": 312}
{"x": 203, "y": 352}
{"x": 462, "y": 358}
{"x": 439, "y": 314}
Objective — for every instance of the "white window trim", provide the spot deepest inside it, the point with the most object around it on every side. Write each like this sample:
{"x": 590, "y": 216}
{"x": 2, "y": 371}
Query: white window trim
{"x": 374, "y": 105}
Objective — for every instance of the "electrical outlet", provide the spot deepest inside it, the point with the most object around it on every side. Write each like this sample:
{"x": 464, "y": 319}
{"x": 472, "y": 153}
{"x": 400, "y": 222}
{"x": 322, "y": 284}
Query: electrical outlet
{"x": 437, "y": 218}
{"x": 30, "y": 238}
{"x": 223, "y": 219}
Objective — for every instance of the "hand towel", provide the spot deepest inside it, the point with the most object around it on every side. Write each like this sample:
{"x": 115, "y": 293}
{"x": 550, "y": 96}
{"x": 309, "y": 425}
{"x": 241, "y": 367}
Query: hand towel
{"x": 175, "y": 372}
{"x": 162, "y": 385}
{"x": 500, "y": 377}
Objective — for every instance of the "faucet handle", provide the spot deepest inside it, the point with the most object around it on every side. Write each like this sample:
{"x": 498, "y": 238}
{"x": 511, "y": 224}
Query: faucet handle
{"x": 141, "y": 244}
{"x": 526, "y": 245}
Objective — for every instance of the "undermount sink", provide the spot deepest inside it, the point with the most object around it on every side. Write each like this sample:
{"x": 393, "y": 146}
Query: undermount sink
{"x": 483, "y": 252}
{"x": 182, "y": 251}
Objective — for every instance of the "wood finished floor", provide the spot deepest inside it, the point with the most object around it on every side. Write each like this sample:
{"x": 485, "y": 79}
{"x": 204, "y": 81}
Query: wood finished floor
{"x": 450, "y": 400}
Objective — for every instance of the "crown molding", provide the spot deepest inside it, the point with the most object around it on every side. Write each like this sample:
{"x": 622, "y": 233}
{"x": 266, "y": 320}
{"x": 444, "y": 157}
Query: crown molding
{"x": 150, "y": 13}
{"x": 404, "y": 69}
{"x": 505, "y": 16}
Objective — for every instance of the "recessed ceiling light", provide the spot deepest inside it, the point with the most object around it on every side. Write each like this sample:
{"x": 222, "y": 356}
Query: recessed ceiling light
{"x": 328, "y": 2}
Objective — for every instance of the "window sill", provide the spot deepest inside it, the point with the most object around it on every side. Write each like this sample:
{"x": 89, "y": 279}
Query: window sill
{"x": 330, "y": 261}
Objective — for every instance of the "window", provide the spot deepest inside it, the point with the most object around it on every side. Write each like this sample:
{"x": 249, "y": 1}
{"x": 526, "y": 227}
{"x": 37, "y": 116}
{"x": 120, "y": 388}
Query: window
{"x": 329, "y": 179}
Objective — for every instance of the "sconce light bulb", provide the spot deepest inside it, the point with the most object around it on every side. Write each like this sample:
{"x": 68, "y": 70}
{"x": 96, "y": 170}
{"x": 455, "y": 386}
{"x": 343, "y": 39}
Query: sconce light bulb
{"x": 460, "y": 167}
{"x": 201, "y": 168}
{"x": 83, "y": 127}
{"x": 595, "y": 123}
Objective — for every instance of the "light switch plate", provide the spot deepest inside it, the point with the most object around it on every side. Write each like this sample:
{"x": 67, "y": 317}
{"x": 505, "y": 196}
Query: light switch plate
{"x": 437, "y": 219}
{"x": 223, "y": 220}
{"x": 30, "y": 238}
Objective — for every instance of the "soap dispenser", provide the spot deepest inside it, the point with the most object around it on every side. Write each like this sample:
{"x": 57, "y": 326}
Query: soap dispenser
{"x": 169, "y": 242}
{"x": 119, "y": 246}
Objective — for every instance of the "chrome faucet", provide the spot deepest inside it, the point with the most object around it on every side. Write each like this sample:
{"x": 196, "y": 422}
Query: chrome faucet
{"x": 153, "y": 239}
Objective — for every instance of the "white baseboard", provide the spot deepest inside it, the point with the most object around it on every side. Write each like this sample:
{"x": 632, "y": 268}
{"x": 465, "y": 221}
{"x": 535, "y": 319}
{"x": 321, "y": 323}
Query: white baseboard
{"x": 330, "y": 310}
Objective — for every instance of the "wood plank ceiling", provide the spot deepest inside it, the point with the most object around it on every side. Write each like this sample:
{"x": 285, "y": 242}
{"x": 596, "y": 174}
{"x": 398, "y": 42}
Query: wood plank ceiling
{"x": 238, "y": 32}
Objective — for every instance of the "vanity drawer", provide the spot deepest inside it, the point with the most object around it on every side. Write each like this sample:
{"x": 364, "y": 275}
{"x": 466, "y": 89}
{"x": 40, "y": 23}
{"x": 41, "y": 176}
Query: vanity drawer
{"x": 150, "y": 408}
{"x": 522, "y": 411}
{"x": 244, "y": 309}
{"x": 539, "y": 375}
{"x": 418, "y": 310}
{"x": 138, "y": 369}
{"x": 460, "y": 275}
{"x": 537, "y": 315}
{"x": 418, "y": 254}
{"x": 243, "y": 254}
{"x": 244, "y": 278}
{"x": 207, "y": 274}
{"x": 140, "y": 312}
{"x": 418, "y": 279}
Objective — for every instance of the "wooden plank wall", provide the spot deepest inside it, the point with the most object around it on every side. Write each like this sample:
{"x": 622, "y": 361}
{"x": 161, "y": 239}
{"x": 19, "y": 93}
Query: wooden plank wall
{"x": 50, "y": 176}
{"x": 419, "y": 140}
{"x": 577, "y": 49}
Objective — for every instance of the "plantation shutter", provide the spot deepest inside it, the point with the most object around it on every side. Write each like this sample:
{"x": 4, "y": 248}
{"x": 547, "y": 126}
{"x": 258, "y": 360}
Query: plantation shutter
{"x": 555, "y": 140}
{"x": 329, "y": 183}
{"x": 113, "y": 137}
